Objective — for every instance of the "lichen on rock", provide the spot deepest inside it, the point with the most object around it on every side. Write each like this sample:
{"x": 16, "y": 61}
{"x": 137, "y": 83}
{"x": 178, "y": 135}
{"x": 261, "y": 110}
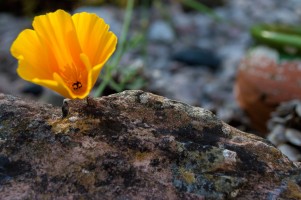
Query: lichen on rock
{"x": 134, "y": 145}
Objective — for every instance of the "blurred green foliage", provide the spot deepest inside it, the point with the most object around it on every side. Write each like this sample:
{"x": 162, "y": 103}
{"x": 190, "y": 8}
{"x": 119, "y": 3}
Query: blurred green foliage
{"x": 201, "y": 6}
{"x": 34, "y": 7}
{"x": 121, "y": 3}
{"x": 286, "y": 39}
{"x": 127, "y": 77}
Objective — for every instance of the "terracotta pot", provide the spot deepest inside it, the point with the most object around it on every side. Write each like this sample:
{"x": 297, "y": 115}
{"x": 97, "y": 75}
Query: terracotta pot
{"x": 262, "y": 84}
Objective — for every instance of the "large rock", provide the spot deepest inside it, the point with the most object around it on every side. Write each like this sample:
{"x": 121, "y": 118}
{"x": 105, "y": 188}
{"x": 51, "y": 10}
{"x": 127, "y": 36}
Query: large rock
{"x": 134, "y": 145}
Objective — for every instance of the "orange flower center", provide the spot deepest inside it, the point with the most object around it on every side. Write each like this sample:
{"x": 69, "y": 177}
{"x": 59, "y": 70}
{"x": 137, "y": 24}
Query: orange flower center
{"x": 77, "y": 85}
{"x": 75, "y": 77}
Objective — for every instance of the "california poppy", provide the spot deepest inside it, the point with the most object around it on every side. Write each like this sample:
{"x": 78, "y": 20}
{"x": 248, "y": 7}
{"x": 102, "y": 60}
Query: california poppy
{"x": 64, "y": 53}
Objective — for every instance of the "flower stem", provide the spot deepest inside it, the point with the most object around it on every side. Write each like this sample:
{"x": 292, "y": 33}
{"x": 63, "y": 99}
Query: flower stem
{"x": 201, "y": 8}
{"x": 120, "y": 50}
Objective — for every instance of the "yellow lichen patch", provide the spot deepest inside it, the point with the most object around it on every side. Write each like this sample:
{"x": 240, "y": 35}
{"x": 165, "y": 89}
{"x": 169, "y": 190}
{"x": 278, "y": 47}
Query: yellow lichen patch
{"x": 64, "y": 126}
{"x": 64, "y": 53}
{"x": 140, "y": 156}
{"x": 143, "y": 159}
{"x": 59, "y": 126}
{"x": 293, "y": 190}
{"x": 86, "y": 178}
{"x": 189, "y": 177}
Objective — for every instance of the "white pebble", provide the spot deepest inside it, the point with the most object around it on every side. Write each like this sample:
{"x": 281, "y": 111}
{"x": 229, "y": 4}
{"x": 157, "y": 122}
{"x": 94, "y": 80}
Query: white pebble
{"x": 293, "y": 136}
{"x": 73, "y": 119}
{"x": 292, "y": 153}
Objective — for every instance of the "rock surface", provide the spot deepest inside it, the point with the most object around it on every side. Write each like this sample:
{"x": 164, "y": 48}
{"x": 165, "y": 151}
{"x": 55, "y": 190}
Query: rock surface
{"x": 134, "y": 145}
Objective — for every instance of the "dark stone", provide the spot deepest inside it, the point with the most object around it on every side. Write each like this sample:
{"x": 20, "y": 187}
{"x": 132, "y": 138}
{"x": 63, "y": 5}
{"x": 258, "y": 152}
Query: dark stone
{"x": 30, "y": 7}
{"x": 3, "y": 161}
{"x": 33, "y": 89}
{"x": 197, "y": 57}
{"x": 206, "y": 3}
{"x": 17, "y": 168}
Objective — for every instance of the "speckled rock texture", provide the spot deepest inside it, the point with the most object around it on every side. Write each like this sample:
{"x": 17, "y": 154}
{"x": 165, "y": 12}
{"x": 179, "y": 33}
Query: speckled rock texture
{"x": 134, "y": 145}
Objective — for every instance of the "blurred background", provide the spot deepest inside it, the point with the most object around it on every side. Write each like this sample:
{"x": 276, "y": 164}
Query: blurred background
{"x": 237, "y": 58}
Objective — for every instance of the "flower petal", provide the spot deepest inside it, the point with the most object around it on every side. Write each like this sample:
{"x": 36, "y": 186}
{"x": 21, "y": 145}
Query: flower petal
{"x": 57, "y": 33}
{"x": 87, "y": 63}
{"x": 64, "y": 53}
{"x": 26, "y": 48}
{"x": 97, "y": 43}
{"x": 94, "y": 38}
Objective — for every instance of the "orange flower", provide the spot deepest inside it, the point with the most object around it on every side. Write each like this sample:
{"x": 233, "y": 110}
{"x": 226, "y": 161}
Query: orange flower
{"x": 64, "y": 53}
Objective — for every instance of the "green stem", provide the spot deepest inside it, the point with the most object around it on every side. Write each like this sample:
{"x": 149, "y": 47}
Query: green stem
{"x": 200, "y": 7}
{"x": 115, "y": 86}
{"x": 278, "y": 36}
{"x": 120, "y": 49}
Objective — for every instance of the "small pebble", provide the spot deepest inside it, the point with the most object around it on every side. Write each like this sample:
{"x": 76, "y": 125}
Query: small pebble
{"x": 282, "y": 120}
{"x": 292, "y": 153}
{"x": 161, "y": 31}
{"x": 286, "y": 108}
{"x": 298, "y": 109}
{"x": 293, "y": 136}
{"x": 33, "y": 89}
{"x": 282, "y": 134}
{"x": 230, "y": 156}
{"x": 73, "y": 119}
{"x": 277, "y": 136}
{"x": 261, "y": 51}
